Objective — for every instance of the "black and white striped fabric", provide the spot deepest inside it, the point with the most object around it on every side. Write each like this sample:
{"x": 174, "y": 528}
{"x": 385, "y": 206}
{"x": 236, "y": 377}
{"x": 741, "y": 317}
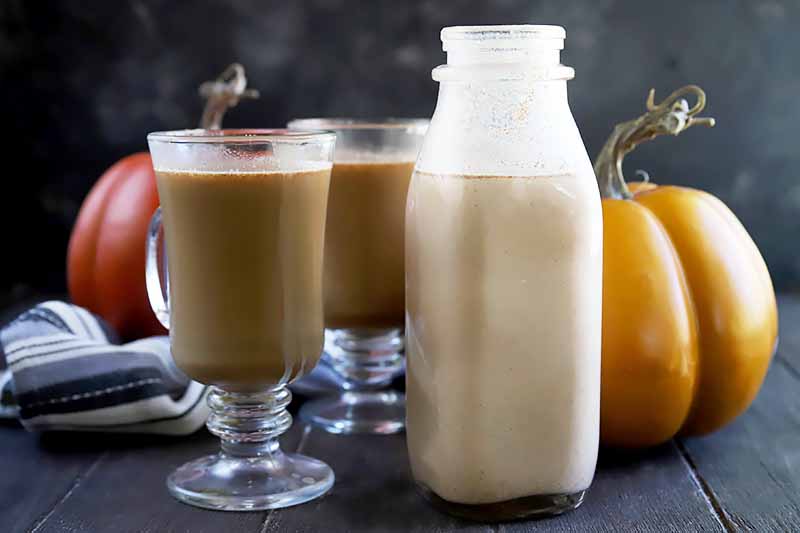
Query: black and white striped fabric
{"x": 65, "y": 371}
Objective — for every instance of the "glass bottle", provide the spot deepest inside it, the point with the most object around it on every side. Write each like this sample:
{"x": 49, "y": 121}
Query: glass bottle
{"x": 503, "y": 283}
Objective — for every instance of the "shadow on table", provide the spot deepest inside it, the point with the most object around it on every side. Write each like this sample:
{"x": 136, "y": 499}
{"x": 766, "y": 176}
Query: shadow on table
{"x": 81, "y": 442}
{"x": 613, "y": 458}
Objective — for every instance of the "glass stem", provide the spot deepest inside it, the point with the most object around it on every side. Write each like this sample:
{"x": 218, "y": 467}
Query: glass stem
{"x": 366, "y": 360}
{"x": 249, "y": 424}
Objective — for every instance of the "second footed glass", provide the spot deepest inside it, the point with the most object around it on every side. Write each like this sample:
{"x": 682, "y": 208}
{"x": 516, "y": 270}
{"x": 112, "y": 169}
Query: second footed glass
{"x": 364, "y": 274}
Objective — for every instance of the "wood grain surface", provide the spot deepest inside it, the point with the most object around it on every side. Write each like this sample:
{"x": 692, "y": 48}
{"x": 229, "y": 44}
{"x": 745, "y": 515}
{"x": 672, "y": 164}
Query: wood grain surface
{"x": 746, "y": 477}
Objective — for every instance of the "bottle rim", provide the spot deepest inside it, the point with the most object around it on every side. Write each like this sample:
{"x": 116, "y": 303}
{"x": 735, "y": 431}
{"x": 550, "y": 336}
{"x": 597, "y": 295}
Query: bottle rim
{"x": 503, "y": 53}
{"x": 504, "y": 36}
{"x": 504, "y": 31}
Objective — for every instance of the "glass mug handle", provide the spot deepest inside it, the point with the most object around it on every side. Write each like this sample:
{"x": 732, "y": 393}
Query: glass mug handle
{"x": 156, "y": 268}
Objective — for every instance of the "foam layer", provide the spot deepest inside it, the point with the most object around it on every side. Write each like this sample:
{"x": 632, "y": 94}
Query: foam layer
{"x": 256, "y": 167}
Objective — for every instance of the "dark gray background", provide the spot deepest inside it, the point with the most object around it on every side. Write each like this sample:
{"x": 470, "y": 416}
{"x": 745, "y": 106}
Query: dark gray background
{"x": 83, "y": 82}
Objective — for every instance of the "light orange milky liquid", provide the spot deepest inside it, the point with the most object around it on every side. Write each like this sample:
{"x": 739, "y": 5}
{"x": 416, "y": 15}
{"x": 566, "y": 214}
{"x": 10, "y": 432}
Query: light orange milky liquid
{"x": 503, "y": 335}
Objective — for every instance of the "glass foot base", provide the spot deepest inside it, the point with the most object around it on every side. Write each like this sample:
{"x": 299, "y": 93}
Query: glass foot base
{"x": 526, "y": 507}
{"x": 230, "y": 483}
{"x": 376, "y": 412}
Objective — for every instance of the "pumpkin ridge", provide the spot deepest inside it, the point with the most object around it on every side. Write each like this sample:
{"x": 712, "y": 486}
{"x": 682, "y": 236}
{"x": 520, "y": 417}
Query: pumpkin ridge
{"x": 721, "y": 275}
{"x": 690, "y": 299}
{"x": 748, "y": 248}
{"x": 82, "y": 278}
{"x": 102, "y": 217}
{"x": 649, "y": 341}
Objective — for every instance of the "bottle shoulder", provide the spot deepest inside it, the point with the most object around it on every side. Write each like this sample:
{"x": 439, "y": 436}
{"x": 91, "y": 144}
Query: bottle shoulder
{"x": 506, "y": 128}
{"x": 479, "y": 148}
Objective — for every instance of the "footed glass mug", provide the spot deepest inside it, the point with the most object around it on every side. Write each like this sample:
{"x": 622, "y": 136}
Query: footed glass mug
{"x": 364, "y": 273}
{"x": 243, "y": 228}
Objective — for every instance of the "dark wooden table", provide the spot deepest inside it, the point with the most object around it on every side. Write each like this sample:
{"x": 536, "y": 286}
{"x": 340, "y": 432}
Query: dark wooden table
{"x": 746, "y": 477}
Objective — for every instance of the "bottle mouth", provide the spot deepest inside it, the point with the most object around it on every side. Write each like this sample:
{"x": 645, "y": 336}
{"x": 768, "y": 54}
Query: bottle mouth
{"x": 508, "y": 37}
{"x": 514, "y": 52}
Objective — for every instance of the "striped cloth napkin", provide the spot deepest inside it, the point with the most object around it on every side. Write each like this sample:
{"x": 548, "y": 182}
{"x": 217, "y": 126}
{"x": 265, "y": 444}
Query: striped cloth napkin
{"x": 67, "y": 371}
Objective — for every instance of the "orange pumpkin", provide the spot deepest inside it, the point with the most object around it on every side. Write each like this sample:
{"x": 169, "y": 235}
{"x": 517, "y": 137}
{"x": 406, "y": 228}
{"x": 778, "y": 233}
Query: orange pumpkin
{"x": 105, "y": 258}
{"x": 689, "y": 311}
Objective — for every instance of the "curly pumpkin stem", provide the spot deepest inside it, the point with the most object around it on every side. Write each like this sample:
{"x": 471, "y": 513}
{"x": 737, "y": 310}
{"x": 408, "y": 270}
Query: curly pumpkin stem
{"x": 672, "y": 116}
{"x": 222, "y": 94}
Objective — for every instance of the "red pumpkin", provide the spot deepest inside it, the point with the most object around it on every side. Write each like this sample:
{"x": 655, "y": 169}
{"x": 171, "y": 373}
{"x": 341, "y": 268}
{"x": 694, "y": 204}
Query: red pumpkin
{"x": 105, "y": 259}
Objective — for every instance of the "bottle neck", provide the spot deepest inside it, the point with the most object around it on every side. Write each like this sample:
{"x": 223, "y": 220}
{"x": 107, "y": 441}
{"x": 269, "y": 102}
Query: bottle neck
{"x": 502, "y": 108}
{"x": 503, "y": 53}
{"x": 501, "y": 128}
{"x": 546, "y": 71}
{"x": 538, "y": 56}
{"x": 514, "y": 99}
